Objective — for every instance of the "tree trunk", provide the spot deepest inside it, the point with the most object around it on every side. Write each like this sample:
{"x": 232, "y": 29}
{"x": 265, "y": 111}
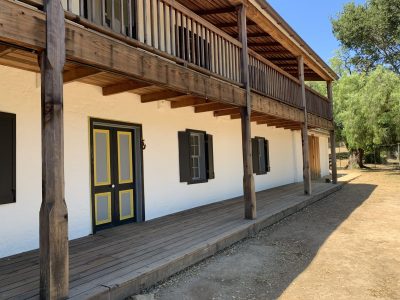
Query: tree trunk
{"x": 356, "y": 159}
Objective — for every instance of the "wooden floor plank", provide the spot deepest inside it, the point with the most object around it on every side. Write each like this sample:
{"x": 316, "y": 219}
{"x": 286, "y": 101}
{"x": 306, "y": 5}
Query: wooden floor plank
{"x": 129, "y": 255}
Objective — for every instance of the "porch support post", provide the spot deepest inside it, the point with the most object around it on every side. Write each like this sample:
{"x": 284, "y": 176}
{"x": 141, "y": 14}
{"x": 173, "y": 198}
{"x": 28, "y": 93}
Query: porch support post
{"x": 304, "y": 130}
{"x": 245, "y": 112}
{"x": 332, "y": 135}
{"x": 54, "y": 272}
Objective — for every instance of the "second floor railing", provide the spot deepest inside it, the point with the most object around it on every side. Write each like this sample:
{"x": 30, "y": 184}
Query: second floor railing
{"x": 170, "y": 29}
{"x": 318, "y": 104}
{"x": 268, "y": 79}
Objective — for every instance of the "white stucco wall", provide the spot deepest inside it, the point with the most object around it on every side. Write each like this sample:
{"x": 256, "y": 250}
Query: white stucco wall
{"x": 164, "y": 194}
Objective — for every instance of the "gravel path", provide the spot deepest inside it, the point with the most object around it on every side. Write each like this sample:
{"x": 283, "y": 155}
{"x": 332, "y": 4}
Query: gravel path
{"x": 346, "y": 246}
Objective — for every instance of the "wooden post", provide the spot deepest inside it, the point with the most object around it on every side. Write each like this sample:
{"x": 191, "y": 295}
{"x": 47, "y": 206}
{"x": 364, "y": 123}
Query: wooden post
{"x": 304, "y": 131}
{"x": 250, "y": 211}
{"x": 54, "y": 272}
{"x": 332, "y": 135}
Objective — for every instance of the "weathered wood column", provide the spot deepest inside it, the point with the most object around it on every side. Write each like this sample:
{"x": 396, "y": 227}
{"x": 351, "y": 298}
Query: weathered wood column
{"x": 304, "y": 130}
{"x": 250, "y": 211}
{"x": 54, "y": 272}
{"x": 332, "y": 135}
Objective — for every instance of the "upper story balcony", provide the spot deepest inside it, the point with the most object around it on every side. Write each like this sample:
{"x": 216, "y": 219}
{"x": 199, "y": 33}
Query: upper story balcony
{"x": 204, "y": 36}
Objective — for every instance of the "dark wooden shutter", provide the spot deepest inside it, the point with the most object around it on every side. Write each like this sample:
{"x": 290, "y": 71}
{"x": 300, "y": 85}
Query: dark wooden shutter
{"x": 254, "y": 146}
{"x": 267, "y": 167}
{"x": 262, "y": 161}
{"x": 203, "y": 159}
{"x": 210, "y": 157}
{"x": 7, "y": 158}
{"x": 184, "y": 156}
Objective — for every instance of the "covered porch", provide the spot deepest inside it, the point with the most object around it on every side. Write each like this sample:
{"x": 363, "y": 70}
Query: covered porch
{"x": 120, "y": 262}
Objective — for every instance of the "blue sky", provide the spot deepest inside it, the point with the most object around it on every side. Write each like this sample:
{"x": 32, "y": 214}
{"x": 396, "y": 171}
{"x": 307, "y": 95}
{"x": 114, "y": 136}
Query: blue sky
{"x": 311, "y": 20}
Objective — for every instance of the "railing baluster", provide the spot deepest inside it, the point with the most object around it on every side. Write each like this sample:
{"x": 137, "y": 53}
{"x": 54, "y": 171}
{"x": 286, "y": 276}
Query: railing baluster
{"x": 152, "y": 32}
{"x": 187, "y": 40}
{"x": 121, "y": 11}
{"x": 193, "y": 42}
{"x": 158, "y": 25}
{"x": 177, "y": 35}
{"x": 112, "y": 23}
{"x": 130, "y": 24}
{"x": 171, "y": 31}
{"x": 164, "y": 6}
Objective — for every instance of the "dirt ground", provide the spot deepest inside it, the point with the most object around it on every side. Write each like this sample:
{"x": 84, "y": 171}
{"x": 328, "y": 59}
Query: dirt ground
{"x": 346, "y": 246}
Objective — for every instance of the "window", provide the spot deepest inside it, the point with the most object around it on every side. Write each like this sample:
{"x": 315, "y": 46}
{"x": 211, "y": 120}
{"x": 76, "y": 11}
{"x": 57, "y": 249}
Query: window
{"x": 7, "y": 158}
{"x": 196, "y": 160}
{"x": 260, "y": 147}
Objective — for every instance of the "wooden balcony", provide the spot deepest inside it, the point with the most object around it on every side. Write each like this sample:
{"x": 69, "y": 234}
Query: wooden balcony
{"x": 168, "y": 31}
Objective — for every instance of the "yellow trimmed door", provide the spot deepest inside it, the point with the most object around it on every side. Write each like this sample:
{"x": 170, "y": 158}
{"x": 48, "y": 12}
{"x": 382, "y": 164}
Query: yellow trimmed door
{"x": 113, "y": 176}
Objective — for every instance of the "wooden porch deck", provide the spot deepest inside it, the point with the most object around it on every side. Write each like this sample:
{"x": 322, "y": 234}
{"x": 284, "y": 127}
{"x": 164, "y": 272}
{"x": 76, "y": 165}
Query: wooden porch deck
{"x": 119, "y": 262}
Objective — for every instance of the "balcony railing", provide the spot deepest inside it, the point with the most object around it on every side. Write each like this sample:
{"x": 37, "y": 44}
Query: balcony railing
{"x": 169, "y": 29}
{"x": 268, "y": 79}
{"x": 318, "y": 104}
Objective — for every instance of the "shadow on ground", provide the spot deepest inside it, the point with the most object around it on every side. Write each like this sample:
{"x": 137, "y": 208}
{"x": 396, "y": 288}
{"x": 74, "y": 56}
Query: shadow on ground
{"x": 264, "y": 266}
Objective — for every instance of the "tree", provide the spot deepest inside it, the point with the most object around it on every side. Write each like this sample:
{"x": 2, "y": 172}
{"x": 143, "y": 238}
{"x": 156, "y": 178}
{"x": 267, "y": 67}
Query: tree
{"x": 367, "y": 110}
{"x": 370, "y": 35}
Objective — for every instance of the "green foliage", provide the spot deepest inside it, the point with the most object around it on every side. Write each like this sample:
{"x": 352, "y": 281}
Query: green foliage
{"x": 367, "y": 108}
{"x": 370, "y": 35}
{"x": 318, "y": 86}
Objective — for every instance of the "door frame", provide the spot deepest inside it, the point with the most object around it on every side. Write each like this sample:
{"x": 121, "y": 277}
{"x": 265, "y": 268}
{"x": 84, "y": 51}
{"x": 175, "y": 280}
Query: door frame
{"x": 139, "y": 203}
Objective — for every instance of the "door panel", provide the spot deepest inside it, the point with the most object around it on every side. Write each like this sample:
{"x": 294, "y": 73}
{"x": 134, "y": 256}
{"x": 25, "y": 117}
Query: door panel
{"x": 126, "y": 205}
{"x": 125, "y": 168}
{"x": 101, "y": 144}
{"x": 103, "y": 208}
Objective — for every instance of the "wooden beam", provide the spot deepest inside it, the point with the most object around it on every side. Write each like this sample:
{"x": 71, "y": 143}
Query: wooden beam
{"x": 125, "y": 86}
{"x": 79, "y": 73}
{"x": 332, "y": 135}
{"x": 211, "y": 107}
{"x": 217, "y": 11}
{"x": 254, "y": 35}
{"x": 4, "y": 50}
{"x": 227, "y": 112}
{"x": 234, "y": 24}
{"x": 254, "y": 113}
{"x": 249, "y": 195}
{"x": 164, "y": 95}
{"x": 264, "y": 44}
{"x": 273, "y": 52}
{"x": 304, "y": 131}
{"x": 193, "y": 101}
{"x": 53, "y": 232}
{"x": 261, "y": 117}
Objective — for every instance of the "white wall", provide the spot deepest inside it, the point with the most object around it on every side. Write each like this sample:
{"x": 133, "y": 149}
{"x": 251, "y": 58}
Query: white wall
{"x": 164, "y": 194}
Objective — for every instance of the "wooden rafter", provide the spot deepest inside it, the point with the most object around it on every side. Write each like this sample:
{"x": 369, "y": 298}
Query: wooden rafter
{"x": 255, "y": 35}
{"x": 234, "y": 24}
{"x": 4, "y": 50}
{"x": 227, "y": 112}
{"x": 217, "y": 11}
{"x": 264, "y": 44}
{"x": 211, "y": 107}
{"x": 125, "y": 86}
{"x": 163, "y": 95}
{"x": 254, "y": 114}
{"x": 79, "y": 73}
{"x": 192, "y": 101}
